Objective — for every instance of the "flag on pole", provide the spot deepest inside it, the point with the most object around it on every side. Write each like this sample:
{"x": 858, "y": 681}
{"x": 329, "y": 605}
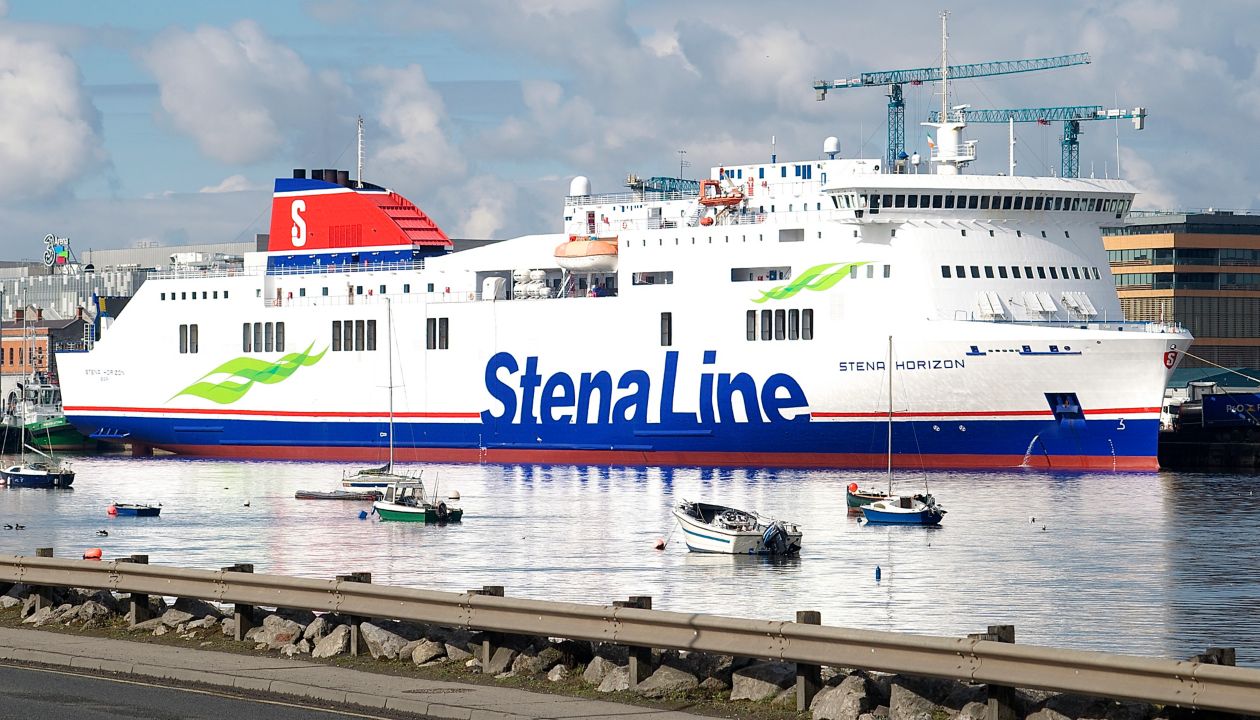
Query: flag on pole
{"x": 931, "y": 143}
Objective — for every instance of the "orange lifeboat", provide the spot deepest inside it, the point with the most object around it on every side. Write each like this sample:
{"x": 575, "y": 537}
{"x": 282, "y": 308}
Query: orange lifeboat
{"x": 587, "y": 254}
{"x": 711, "y": 195}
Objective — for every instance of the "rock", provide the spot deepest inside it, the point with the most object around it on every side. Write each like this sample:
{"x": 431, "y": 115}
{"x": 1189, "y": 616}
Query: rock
{"x": 334, "y": 643}
{"x": 617, "y": 678}
{"x": 229, "y": 627}
{"x": 197, "y": 608}
{"x": 301, "y": 617}
{"x": 455, "y": 652}
{"x": 381, "y": 643}
{"x": 763, "y": 681}
{"x": 526, "y": 664}
{"x": 40, "y": 617}
{"x": 251, "y": 635}
{"x": 550, "y": 657}
{"x": 1047, "y": 714}
{"x": 473, "y": 664}
{"x": 973, "y": 711}
{"x": 558, "y": 673}
{"x": 713, "y": 684}
{"x": 106, "y": 598}
{"x": 173, "y": 617}
{"x": 289, "y": 650}
{"x": 28, "y": 605}
{"x": 161, "y": 629}
{"x": 404, "y": 653}
{"x": 277, "y": 632}
{"x": 500, "y": 660}
{"x": 317, "y": 629}
{"x": 304, "y": 646}
{"x": 92, "y": 610}
{"x": 181, "y": 629}
{"x": 148, "y": 625}
{"x": 426, "y": 651}
{"x": 917, "y": 699}
{"x": 846, "y": 701}
{"x": 597, "y": 669}
{"x": 8, "y": 601}
{"x": 666, "y": 681}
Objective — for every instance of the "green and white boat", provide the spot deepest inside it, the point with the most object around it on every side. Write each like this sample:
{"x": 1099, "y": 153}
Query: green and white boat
{"x": 406, "y": 501}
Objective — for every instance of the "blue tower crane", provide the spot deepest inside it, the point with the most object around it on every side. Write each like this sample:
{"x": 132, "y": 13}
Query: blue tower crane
{"x": 1071, "y": 115}
{"x": 895, "y": 79}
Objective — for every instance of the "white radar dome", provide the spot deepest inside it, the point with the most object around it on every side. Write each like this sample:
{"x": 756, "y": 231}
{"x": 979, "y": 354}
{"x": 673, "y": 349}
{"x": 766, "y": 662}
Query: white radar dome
{"x": 580, "y": 185}
{"x": 831, "y": 145}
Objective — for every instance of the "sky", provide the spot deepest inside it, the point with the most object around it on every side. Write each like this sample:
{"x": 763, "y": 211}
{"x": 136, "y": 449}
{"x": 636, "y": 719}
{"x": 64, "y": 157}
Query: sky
{"x": 146, "y": 122}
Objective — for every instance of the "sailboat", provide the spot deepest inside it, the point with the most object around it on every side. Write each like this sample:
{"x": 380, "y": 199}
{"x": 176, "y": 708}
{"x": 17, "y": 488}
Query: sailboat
{"x": 48, "y": 473}
{"x": 383, "y": 475}
{"x": 900, "y": 509}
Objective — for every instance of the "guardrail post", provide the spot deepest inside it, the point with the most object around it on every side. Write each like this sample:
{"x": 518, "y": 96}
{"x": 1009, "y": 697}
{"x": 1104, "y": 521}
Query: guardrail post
{"x": 242, "y": 615}
{"x": 640, "y": 657}
{"x": 358, "y": 577}
{"x": 808, "y": 677}
{"x": 489, "y": 640}
{"x": 1001, "y": 697}
{"x": 139, "y": 609}
{"x": 43, "y": 595}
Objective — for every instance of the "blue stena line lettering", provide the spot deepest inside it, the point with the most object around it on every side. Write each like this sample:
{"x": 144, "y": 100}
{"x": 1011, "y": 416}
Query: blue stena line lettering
{"x": 529, "y": 397}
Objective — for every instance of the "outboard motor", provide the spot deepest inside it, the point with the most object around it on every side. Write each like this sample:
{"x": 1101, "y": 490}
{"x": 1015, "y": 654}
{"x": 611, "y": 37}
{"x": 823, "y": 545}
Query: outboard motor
{"x": 775, "y": 539}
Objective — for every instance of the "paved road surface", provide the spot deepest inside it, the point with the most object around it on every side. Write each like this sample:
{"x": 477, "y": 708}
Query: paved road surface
{"x": 58, "y": 695}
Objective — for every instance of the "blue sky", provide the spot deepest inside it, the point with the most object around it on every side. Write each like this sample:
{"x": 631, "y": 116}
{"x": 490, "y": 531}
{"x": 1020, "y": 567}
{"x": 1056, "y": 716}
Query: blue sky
{"x": 144, "y": 121}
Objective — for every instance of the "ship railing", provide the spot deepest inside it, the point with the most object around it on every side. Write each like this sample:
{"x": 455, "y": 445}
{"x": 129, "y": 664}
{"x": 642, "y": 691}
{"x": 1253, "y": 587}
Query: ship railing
{"x": 373, "y": 299}
{"x": 337, "y": 269}
{"x": 628, "y": 197}
{"x": 1151, "y": 326}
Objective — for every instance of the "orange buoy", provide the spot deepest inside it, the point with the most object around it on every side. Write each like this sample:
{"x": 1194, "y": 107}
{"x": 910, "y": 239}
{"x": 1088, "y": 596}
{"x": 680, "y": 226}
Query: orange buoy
{"x": 92, "y": 554}
{"x": 660, "y": 543}
{"x": 706, "y": 221}
{"x": 852, "y": 487}
{"x": 112, "y": 510}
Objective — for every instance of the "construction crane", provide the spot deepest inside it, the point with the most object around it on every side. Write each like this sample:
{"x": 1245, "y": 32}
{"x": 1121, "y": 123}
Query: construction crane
{"x": 1071, "y": 115}
{"x": 895, "y": 79}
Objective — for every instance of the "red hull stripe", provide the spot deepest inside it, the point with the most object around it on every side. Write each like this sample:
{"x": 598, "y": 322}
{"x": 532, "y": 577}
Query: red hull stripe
{"x": 615, "y": 457}
{"x": 475, "y": 416}
{"x": 275, "y": 413}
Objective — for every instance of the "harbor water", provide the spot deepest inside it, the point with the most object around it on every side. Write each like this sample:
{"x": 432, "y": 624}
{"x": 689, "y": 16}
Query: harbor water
{"x": 1157, "y": 564}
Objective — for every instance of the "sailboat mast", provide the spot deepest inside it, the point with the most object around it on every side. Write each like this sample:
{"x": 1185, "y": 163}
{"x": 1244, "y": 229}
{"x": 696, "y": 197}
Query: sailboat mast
{"x": 389, "y": 352}
{"x": 890, "y": 412}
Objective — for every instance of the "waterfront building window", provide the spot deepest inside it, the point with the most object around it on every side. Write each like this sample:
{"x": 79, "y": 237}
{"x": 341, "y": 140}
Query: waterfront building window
{"x": 279, "y": 337}
{"x": 750, "y": 325}
{"x": 336, "y": 335}
{"x": 246, "y": 335}
{"x": 667, "y": 329}
{"x": 807, "y": 324}
{"x": 371, "y": 334}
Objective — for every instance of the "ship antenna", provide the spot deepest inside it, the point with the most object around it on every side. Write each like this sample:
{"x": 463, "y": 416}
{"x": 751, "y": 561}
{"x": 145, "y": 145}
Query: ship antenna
{"x": 944, "y": 65}
{"x": 359, "y": 176}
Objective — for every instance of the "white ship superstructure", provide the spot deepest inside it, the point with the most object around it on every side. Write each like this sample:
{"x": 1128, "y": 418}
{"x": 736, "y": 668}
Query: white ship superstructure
{"x": 738, "y": 320}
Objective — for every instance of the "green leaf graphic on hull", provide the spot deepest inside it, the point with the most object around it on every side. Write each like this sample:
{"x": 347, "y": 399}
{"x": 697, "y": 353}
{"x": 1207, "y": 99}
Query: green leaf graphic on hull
{"x": 243, "y": 372}
{"x": 811, "y": 279}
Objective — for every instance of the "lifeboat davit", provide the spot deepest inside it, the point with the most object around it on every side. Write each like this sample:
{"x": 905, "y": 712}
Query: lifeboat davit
{"x": 587, "y": 254}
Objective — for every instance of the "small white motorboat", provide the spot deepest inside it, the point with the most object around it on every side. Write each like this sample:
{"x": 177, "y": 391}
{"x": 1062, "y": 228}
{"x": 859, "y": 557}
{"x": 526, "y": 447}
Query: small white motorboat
{"x": 720, "y": 529}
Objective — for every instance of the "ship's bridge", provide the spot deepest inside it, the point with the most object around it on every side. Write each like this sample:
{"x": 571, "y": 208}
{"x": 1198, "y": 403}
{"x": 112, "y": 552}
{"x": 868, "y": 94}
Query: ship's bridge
{"x": 897, "y": 198}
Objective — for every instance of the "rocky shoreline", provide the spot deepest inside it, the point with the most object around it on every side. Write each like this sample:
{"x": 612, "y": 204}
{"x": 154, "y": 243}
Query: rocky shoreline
{"x": 744, "y": 685}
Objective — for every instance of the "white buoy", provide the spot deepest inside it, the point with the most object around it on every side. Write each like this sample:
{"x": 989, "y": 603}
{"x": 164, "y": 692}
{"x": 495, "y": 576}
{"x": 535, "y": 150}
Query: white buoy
{"x": 454, "y": 495}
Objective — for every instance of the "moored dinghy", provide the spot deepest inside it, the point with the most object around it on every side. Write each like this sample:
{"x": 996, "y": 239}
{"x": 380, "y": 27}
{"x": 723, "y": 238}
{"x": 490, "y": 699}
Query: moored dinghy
{"x": 407, "y": 501}
{"x": 855, "y": 497}
{"x": 134, "y": 510}
{"x": 721, "y": 529}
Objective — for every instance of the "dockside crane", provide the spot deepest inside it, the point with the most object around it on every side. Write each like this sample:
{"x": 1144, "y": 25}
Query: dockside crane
{"x": 895, "y": 79}
{"x": 1071, "y": 115}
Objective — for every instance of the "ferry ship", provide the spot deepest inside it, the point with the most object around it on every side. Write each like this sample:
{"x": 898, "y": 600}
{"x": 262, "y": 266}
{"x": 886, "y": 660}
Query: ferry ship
{"x": 738, "y": 320}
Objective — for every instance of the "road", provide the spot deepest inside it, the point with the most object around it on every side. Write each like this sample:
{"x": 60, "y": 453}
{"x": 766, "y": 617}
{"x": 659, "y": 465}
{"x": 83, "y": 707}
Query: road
{"x": 27, "y": 692}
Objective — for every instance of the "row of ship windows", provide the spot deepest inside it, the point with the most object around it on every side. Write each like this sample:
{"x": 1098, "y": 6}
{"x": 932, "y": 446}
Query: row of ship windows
{"x": 262, "y": 337}
{"x": 779, "y": 325}
{"x": 185, "y": 295}
{"x": 188, "y": 339}
{"x": 874, "y": 201}
{"x": 360, "y": 335}
{"x": 1062, "y": 272}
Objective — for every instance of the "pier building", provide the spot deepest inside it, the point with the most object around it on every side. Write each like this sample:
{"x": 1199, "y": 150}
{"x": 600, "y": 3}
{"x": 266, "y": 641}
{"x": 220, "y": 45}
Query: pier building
{"x": 1200, "y": 269}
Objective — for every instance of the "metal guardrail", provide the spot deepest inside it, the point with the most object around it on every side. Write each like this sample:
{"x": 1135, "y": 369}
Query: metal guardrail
{"x": 1187, "y": 684}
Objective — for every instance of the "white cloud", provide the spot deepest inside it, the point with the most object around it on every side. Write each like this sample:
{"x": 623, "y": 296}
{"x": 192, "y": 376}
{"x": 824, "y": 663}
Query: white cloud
{"x": 231, "y": 183}
{"x": 241, "y": 95}
{"x": 412, "y": 113}
{"x": 49, "y": 130}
